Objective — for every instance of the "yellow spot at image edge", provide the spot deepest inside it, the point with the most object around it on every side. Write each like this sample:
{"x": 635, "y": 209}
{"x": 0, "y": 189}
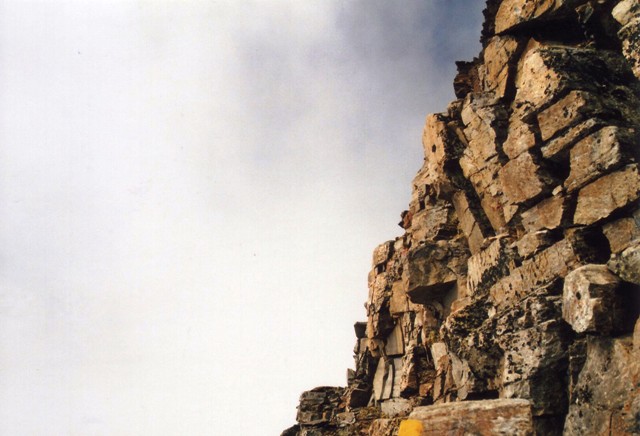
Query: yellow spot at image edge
{"x": 410, "y": 427}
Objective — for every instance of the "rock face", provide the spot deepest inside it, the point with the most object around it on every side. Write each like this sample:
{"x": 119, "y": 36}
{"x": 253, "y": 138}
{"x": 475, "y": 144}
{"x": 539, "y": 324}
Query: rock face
{"x": 510, "y": 303}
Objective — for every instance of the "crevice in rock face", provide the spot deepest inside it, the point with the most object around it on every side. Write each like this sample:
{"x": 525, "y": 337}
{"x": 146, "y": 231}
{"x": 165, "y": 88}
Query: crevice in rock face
{"x": 510, "y": 304}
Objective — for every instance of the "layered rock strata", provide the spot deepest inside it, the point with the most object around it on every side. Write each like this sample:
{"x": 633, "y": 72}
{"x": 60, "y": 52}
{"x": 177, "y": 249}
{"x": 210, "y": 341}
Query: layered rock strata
{"x": 510, "y": 303}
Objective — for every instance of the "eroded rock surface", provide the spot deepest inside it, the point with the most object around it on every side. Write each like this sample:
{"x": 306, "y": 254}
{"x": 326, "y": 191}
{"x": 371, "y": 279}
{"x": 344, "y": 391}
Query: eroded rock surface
{"x": 510, "y": 304}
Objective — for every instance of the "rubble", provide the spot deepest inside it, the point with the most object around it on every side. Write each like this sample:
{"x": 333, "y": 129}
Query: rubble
{"x": 510, "y": 304}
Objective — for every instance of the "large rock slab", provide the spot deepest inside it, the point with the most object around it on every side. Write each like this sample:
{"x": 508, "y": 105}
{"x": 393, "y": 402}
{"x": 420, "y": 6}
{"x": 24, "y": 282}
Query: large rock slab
{"x": 499, "y": 66}
{"x": 598, "y": 154}
{"x": 606, "y": 398}
{"x": 484, "y": 418}
{"x": 571, "y": 109}
{"x": 590, "y": 302}
{"x": 523, "y": 179}
{"x": 623, "y": 232}
{"x": 433, "y": 269}
{"x": 609, "y": 193}
{"x": 512, "y": 13}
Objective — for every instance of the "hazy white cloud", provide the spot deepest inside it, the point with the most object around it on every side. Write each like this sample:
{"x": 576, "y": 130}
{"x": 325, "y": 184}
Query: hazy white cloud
{"x": 191, "y": 193}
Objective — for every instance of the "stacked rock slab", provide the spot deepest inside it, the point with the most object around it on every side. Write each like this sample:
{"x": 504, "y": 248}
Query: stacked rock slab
{"x": 510, "y": 303}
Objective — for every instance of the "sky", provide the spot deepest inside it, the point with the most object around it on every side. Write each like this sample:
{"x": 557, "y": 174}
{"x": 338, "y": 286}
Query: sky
{"x": 191, "y": 192}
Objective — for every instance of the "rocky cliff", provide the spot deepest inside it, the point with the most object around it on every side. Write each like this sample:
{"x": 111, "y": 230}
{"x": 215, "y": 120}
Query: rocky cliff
{"x": 510, "y": 304}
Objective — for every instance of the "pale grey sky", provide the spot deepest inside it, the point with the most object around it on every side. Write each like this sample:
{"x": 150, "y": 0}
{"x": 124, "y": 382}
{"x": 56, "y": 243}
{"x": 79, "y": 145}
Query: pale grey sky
{"x": 191, "y": 192}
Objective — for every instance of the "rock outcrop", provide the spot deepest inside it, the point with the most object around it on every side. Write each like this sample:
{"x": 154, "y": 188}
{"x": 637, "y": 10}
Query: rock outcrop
{"x": 510, "y": 303}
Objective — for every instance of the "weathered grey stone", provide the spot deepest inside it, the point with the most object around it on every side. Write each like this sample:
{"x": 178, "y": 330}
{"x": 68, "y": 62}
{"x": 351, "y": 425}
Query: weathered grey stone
{"x": 606, "y": 398}
{"x": 360, "y": 329}
{"x": 396, "y": 407}
{"x": 489, "y": 265}
{"x": 597, "y": 154}
{"x": 488, "y": 417}
{"x": 609, "y": 193}
{"x": 531, "y": 357}
{"x": 394, "y": 345}
{"x": 523, "y": 179}
{"x": 590, "y": 302}
{"x": 626, "y": 265}
{"x": 433, "y": 269}
{"x": 320, "y": 405}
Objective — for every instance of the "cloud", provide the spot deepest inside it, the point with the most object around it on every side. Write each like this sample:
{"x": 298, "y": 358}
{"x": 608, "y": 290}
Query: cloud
{"x": 192, "y": 193}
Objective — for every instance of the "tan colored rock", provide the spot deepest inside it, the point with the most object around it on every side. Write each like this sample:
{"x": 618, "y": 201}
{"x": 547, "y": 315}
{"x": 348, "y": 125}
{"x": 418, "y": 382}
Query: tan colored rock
{"x": 540, "y": 270}
{"x": 500, "y": 59}
{"x": 488, "y": 417}
{"x": 557, "y": 149}
{"x": 439, "y": 140}
{"x": 597, "y": 154}
{"x": 435, "y": 221}
{"x": 514, "y": 12}
{"x": 399, "y": 301}
{"x": 590, "y": 302}
{"x": 609, "y": 193}
{"x": 487, "y": 186}
{"x": 568, "y": 111}
{"x": 546, "y": 72}
{"x": 534, "y": 242}
{"x": 382, "y": 253}
{"x": 471, "y": 220}
{"x": 549, "y": 214}
{"x": 622, "y": 233}
{"x": 626, "y": 11}
{"x": 485, "y": 127}
{"x": 523, "y": 179}
{"x": 521, "y": 137}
